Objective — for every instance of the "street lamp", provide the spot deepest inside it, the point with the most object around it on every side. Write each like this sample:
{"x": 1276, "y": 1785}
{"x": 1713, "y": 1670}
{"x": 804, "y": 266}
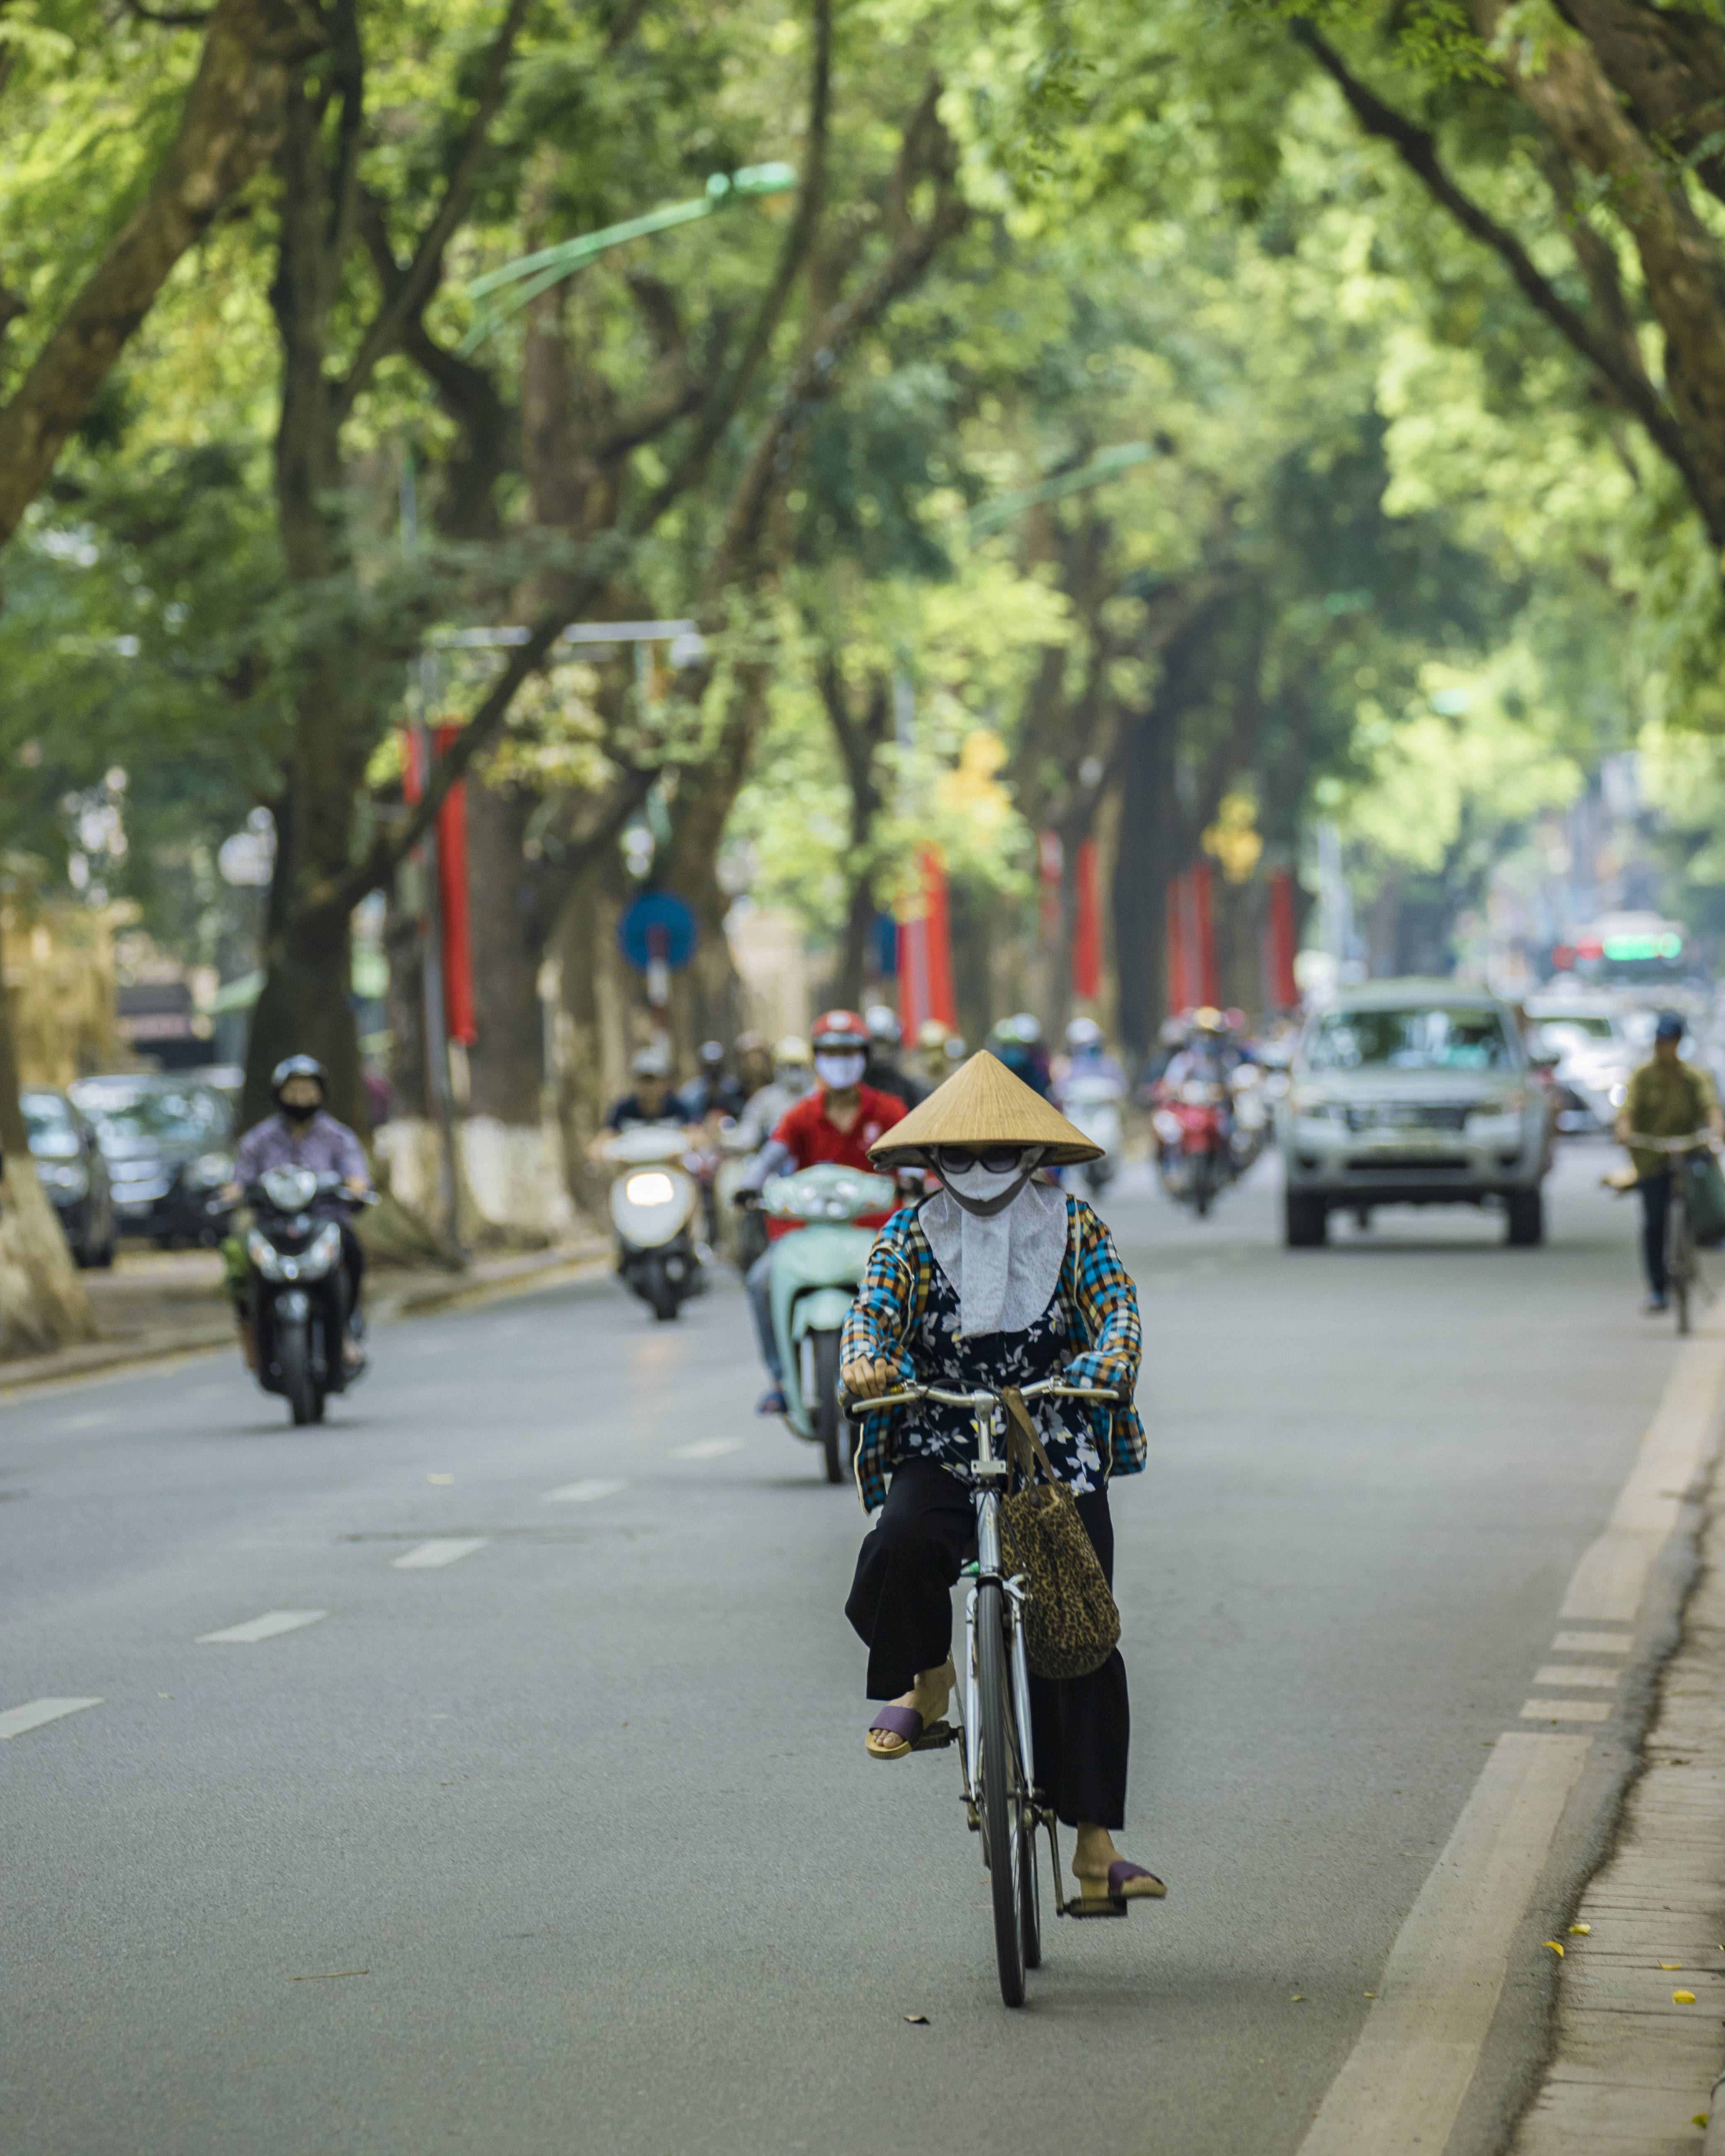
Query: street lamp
{"x": 534, "y": 274}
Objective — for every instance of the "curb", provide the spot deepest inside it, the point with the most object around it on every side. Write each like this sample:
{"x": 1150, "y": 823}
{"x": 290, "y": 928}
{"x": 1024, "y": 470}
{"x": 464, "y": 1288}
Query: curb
{"x": 98, "y": 1360}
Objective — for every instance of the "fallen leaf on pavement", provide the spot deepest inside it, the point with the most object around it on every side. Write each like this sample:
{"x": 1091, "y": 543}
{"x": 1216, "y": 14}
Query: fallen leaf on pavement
{"x": 1581, "y": 1931}
{"x": 1296, "y": 1998}
{"x": 1671, "y": 1965}
{"x": 923, "y": 2018}
{"x": 1555, "y": 1948}
{"x": 1682, "y": 1999}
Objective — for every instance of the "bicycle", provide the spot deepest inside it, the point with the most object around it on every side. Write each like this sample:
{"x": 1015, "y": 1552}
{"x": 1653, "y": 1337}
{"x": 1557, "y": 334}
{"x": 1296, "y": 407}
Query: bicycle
{"x": 1682, "y": 1268}
{"x": 997, "y": 1761}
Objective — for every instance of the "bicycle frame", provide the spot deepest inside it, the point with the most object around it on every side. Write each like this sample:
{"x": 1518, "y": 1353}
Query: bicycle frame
{"x": 1683, "y": 1270}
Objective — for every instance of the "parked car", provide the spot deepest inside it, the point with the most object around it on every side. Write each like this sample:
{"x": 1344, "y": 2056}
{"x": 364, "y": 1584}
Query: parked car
{"x": 168, "y": 1145}
{"x": 1591, "y": 1039}
{"x": 1413, "y": 1092}
{"x": 73, "y": 1174}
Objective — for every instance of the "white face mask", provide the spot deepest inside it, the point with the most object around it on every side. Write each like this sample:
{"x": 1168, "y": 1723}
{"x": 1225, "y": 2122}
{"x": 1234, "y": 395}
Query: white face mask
{"x": 842, "y": 1070}
{"x": 979, "y": 1184}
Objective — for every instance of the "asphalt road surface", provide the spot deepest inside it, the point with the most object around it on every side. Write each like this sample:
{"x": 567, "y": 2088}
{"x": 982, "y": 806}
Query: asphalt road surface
{"x": 554, "y": 1831}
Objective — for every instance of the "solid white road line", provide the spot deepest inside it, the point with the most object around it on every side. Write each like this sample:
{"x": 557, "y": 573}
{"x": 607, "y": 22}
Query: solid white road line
{"x": 1566, "y": 1710}
{"x": 17, "y": 1720}
{"x": 1608, "y": 1583}
{"x": 583, "y": 1493}
{"x": 1404, "y": 2081}
{"x": 269, "y": 1626}
{"x": 707, "y": 1448}
{"x": 1593, "y": 1643}
{"x": 1584, "y": 1674}
{"x": 439, "y": 1553}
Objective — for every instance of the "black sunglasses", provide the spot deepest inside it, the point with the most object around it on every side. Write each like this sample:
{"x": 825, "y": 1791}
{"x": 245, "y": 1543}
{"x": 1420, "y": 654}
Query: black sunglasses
{"x": 997, "y": 1160}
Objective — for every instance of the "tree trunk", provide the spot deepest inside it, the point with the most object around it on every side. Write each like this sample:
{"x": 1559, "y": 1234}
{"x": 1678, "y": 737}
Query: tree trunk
{"x": 229, "y": 125}
{"x": 42, "y": 1302}
{"x": 1141, "y": 877}
{"x": 507, "y": 1063}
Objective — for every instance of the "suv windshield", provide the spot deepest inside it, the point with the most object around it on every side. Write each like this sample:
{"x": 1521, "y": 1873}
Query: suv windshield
{"x": 1428, "y": 1037}
{"x": 175, "y": 1117}
{"x": 48, "y": 1127}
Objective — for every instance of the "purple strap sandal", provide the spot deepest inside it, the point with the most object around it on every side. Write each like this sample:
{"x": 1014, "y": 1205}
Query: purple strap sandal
{"x": 1126, "y": 1882}
{"x": 903, "y": 1723}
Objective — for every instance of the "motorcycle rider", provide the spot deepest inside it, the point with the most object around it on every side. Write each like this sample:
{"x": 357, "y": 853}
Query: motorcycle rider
{"x": 1017, "y": 1042}
{"x": 884, "y": 1071}
{"x": 302, "y": 1133}
{"x": 838, "y": 1122}
{"x": 1086, "y": 1057}
{"x": 1208, "y": 1056}
{"x": 1667, "y": 1098}
{"x": 710, "y": 1091}
{"x": 651, "y": 1101}
{"x": 793, "y": 1080}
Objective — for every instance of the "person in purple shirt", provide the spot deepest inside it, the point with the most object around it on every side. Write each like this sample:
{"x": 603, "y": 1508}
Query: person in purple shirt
{"x": 302, "y": 1133}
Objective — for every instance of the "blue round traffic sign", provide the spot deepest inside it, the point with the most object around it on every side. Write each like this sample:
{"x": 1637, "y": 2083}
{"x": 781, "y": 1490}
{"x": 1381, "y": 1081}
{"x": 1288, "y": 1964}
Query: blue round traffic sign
{"x": 659, "y": 925}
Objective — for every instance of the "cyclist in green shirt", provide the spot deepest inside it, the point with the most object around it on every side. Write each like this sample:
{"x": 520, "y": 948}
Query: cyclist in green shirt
{"x": 1667, "y": 1098}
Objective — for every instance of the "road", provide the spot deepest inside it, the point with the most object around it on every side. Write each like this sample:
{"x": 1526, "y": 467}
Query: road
{"x": 569, "y": 1843}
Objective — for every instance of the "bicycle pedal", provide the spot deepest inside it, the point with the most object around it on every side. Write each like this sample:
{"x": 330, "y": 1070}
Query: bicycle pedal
{"x": 1114, "y": 1907}
{"x": 936, "y": 1737}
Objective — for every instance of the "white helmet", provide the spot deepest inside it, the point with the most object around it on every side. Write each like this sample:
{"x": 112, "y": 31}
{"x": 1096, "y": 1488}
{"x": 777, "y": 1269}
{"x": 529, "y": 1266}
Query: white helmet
{"x": 1084, "y": 1032}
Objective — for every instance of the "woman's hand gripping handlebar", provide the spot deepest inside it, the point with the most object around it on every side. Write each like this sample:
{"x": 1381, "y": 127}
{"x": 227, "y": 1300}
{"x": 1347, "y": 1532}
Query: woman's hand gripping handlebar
{"x": 856, "y": 1405}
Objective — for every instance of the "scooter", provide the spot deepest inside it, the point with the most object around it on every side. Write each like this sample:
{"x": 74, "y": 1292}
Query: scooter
{"x": 1092, "y": 1105}
{"x": 813, "y": 1281}
{"x": 1193, "y": 1130}
{"x": 654, "y": 1200}
{"x": 298, "y": 1287}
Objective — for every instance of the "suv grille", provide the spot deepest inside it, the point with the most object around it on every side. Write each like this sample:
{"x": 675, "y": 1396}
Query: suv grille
{"x": 1408, "y": 1116}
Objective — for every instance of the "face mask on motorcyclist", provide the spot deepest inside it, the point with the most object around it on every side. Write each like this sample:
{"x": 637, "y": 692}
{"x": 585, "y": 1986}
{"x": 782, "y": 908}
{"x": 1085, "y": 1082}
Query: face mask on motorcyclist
{"x": 839, "y": 1068}
{"x": 984, "y": 1182}
{"x": 301, "y": 1112}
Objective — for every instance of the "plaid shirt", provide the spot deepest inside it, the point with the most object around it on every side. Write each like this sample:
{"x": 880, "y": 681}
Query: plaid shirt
{"x": 1102, "y": 1312}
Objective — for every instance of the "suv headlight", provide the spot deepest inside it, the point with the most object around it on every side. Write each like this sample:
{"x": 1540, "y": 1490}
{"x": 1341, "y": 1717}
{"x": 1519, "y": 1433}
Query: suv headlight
{"x": 1312, "y": 1107}
{"x": 68, "y": 1179}
{"x": 213, "y": 1169}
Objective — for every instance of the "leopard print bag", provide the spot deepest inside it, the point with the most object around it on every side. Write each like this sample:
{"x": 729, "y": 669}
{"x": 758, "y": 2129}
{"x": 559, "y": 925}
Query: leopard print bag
{"x": 1071, "y": 1624}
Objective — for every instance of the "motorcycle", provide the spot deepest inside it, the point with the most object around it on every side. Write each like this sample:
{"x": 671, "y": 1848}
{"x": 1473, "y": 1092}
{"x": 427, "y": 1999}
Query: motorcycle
{"x": 813, "y": 1281}
{"x": 1251, "y": 1118}
{"x": 1092, "y": 1105}
{"x": 654, "y": 1199}
{"x": 1194, "y": 1139}
{"x": 298, "y": 1286}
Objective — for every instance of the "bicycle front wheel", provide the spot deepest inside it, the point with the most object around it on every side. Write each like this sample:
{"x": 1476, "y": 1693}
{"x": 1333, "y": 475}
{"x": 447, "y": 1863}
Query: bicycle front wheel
{"x": 1680, "y": 1256}
{"x": 1002, "y": 1793}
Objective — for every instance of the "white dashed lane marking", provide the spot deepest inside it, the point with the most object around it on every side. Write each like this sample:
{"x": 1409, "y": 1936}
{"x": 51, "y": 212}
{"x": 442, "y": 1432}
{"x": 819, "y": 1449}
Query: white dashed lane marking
{"x": 269, "y": 1626}
{"x": 428, "y": 1554}
{"x": 1589, "y": 1676}
{"x": 1593, "y": 1643}
{"x": 707, "y": 1448}
{"x": 1566, "y": 1710}
{"x": 16, "y": 1720}
{"x": 583, "y": 1493}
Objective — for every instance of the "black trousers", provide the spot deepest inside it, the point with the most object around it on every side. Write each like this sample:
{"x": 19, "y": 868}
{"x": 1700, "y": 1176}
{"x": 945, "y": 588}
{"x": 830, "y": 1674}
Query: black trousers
{"x": 1655, "y": 1205}
{"x": 901, "y": 1606}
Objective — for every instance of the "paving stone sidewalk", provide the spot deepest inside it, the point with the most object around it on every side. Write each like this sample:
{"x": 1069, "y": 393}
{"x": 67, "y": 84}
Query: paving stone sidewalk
{"x": 1640, "y": 2037}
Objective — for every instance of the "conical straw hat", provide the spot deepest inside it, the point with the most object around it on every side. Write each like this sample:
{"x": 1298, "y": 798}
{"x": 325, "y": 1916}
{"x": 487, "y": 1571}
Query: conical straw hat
{"x": 982, "y": 1104}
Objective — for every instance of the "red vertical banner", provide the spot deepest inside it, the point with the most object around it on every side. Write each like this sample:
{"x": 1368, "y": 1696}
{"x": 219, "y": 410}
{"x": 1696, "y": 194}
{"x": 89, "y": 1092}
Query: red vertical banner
{"x": 1203, "y": 878}
{"x": 925, "y": 952}
{"x": 452, "y": 904}
{"x": 1087, "y": 928}
{"x": 1284, "y": 990}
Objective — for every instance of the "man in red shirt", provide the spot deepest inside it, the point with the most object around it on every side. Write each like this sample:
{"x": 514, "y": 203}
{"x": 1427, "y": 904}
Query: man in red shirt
{"x": 838, "y": 1122}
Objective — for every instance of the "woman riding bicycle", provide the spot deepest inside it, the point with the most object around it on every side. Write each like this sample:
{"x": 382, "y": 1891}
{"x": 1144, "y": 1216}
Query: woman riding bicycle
{"x": 996, "y": 1279}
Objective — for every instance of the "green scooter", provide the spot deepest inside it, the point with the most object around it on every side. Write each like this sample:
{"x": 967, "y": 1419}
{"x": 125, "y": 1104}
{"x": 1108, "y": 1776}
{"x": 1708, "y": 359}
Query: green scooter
{"x": 814, "y": 1278}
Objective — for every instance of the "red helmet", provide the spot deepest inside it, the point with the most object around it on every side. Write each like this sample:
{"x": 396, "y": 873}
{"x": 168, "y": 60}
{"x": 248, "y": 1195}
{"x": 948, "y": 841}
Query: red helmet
{"x": 841, "y": 1029}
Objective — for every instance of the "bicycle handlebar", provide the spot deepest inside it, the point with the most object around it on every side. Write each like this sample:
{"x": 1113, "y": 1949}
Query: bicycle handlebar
{"x": 1055, "y": 1389}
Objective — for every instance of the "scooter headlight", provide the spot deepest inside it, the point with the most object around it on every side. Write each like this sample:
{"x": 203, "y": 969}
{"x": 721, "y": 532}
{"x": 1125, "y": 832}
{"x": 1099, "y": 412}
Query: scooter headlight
{"x": 651, "y": 1188}
{"x": 264, "y": 1256}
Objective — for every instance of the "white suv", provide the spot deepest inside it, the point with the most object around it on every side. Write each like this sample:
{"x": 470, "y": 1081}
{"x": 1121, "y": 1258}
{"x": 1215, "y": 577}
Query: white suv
{"x": 1414, "y": 1093}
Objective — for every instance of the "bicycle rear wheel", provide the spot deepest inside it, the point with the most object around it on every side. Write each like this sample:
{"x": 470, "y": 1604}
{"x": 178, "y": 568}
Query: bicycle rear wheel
{"x": 1679, "y": 1254}
{"x": 1002, "y": 1793}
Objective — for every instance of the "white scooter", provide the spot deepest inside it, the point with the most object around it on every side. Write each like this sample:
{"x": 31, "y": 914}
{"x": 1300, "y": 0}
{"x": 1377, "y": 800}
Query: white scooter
{"x": 654, "y": 1204}
{"x": 1092, "y": 1104}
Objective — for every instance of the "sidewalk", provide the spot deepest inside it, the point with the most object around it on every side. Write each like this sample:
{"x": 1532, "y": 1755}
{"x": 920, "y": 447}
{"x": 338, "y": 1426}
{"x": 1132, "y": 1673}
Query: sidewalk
{"x": 157, "y": 1303}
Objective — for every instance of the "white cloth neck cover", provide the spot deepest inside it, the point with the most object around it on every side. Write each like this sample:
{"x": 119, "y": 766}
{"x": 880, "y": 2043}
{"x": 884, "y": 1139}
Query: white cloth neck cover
{"x": 1004, "y": 1269}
